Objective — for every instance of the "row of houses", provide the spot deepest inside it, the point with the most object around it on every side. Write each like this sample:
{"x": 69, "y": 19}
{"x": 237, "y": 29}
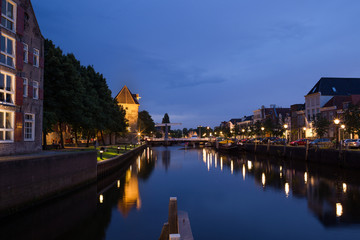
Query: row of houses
{"x": 329, "y": 97}
{"x": 21, "y": 78}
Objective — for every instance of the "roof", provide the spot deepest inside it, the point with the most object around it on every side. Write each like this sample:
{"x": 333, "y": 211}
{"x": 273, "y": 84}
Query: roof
{"x": 337, "y": 86}
{"x": 235, "y": 120}
{"x": 125, "y": 96}
{"x": 339, "y": 101}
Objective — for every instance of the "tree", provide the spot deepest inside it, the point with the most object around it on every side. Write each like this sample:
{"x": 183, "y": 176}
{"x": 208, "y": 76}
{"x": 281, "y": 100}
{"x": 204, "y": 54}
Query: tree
{"x": 166, "y": 118}
{"x": 352, "y": 119}
{"x": 321, "y": 125}
{"x": 78, "y": 97}
{"x": 146, "y": 123}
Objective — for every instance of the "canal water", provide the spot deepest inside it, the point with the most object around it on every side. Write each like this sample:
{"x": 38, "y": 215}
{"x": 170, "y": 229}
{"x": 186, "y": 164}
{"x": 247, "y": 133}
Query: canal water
{"x": 226, "y": 197}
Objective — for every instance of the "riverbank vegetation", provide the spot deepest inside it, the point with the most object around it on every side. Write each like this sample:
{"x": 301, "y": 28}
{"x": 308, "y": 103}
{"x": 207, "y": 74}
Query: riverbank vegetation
{"x": 77, "y": 97}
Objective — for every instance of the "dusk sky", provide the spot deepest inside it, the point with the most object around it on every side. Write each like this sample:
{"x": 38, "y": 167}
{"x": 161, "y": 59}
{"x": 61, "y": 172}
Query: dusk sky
{"x": 207, "y": 61}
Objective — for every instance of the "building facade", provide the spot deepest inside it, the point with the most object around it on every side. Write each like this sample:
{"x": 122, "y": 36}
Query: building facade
{"x": 130, "y": 103}
{"x": 21, "y": 78}
{"x": 327, "y": 98}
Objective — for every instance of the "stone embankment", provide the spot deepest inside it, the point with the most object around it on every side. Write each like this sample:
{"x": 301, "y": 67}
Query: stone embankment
{"x": 29, "y": 180}
{"x": 343, "y": 158}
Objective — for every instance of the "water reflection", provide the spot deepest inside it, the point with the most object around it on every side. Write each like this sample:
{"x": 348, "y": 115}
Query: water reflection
{"x": 333, "y": 195}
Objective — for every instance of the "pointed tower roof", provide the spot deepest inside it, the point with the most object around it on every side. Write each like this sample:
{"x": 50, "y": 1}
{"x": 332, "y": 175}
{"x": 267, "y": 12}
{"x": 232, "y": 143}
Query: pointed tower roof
{"x": 125, "y": 96}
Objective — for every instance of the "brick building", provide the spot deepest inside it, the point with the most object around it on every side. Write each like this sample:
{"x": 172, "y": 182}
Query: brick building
{"x": 21, "y": 78}
{"x": 130, "y": 103}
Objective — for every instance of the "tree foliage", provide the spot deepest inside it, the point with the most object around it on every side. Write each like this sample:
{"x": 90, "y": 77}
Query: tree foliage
{"x": 321, "y": 125}
{"x": 77, "y": 96}
{"x": 146, "y": 123}
{"x": 352, "y": 119}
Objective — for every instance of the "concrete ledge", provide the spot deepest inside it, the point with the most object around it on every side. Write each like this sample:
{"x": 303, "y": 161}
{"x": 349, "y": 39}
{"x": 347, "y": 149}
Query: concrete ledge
{"x": 27, "y": 180}
{"x": 110, "y": 165}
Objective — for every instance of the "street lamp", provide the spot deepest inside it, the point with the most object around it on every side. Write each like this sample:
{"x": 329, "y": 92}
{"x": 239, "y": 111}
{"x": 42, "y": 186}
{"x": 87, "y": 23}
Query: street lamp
{"x": 101, "y": 152}
{"x": 343, "y": 128}
{"x": 286, "y": 126}
{"x": 118, "y": 149}
{"x": 304, "y": 132}
{"x": 262, "y": 129}
{"x": 337, "y": 121}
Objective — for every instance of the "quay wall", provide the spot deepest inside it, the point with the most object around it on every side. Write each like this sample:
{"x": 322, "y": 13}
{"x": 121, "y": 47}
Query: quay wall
{"x": 343, "y": 158}
{"x": 110, "y": 165}
{"x": 28, "y": 180}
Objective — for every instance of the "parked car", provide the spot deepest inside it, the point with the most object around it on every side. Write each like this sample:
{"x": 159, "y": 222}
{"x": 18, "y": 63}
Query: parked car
{"x": 347, "y": 141}
{"x": 299, "y": 142}
{"x": 272, "y": 139}
{"x": 355, "y": 143}
{"x": 257, "y": 140}
{"x": 279, "y": 141}
{"x": 320, "y": 141}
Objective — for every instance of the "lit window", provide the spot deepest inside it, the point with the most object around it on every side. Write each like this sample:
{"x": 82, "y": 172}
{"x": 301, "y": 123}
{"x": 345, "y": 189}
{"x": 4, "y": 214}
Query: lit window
{"x": 26, "y": 85}
{"x": 29, "y": 127}
{"x": 36, "y": 57}
{"x": 8, "y": 14}
{"x": 6, "y": 126}
{"x": 6, "y": 88}
{"x": 7, "y": 51}
{"x": 35, "y": 90}
{"x": 26, "y": 52}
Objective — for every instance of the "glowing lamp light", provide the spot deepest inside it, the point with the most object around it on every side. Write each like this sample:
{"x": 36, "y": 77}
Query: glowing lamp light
{"x": 304, "y": 128}
{"x": 101, "y": 198}
{"x": 336, "y": 121}
{"x": 232, "y": 167}
{"x": 118, "y": 183}
{"x": 243, "y": 130}
{"x": 342, "y": 126}
{"x": 286, "y": 126}
{"x": 305, "y": 177}
{"x": 262, "y": 128}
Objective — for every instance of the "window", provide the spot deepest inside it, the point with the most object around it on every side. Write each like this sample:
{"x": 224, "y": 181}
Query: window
{"x": 26, "y": 86}
{"x": 6, "y": 126}
{"x": 29, "y": 127}
{"x": 26, "y": 52}
{"x": 36, "y": 57}
{"x": 35, "y": 90}
{"x": 7, "y": 51}
{"x": 8, "y": 15}
{"x": 6, "y": 88}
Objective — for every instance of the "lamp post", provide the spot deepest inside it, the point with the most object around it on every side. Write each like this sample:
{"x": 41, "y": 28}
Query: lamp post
{"x": 337, "y": 121}
{"x": 262, "y": 129}
{"x": 286, "y": 126}
{"x": 243, "y": 133}
{"x": 343, "y": 128}
{"x": 101, "y": 153}
{"x": 304, "y": 132}
{"x": 118, "y": 149}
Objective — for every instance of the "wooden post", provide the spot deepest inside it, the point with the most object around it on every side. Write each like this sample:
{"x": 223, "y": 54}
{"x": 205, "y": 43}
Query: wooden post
{"x": 174, "y": 237}
{"x": 173, "y": 216}
{"x": 164, "y": 232}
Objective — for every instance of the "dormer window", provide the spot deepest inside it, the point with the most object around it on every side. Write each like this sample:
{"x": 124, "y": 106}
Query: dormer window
{"x": 8, "y": 15}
